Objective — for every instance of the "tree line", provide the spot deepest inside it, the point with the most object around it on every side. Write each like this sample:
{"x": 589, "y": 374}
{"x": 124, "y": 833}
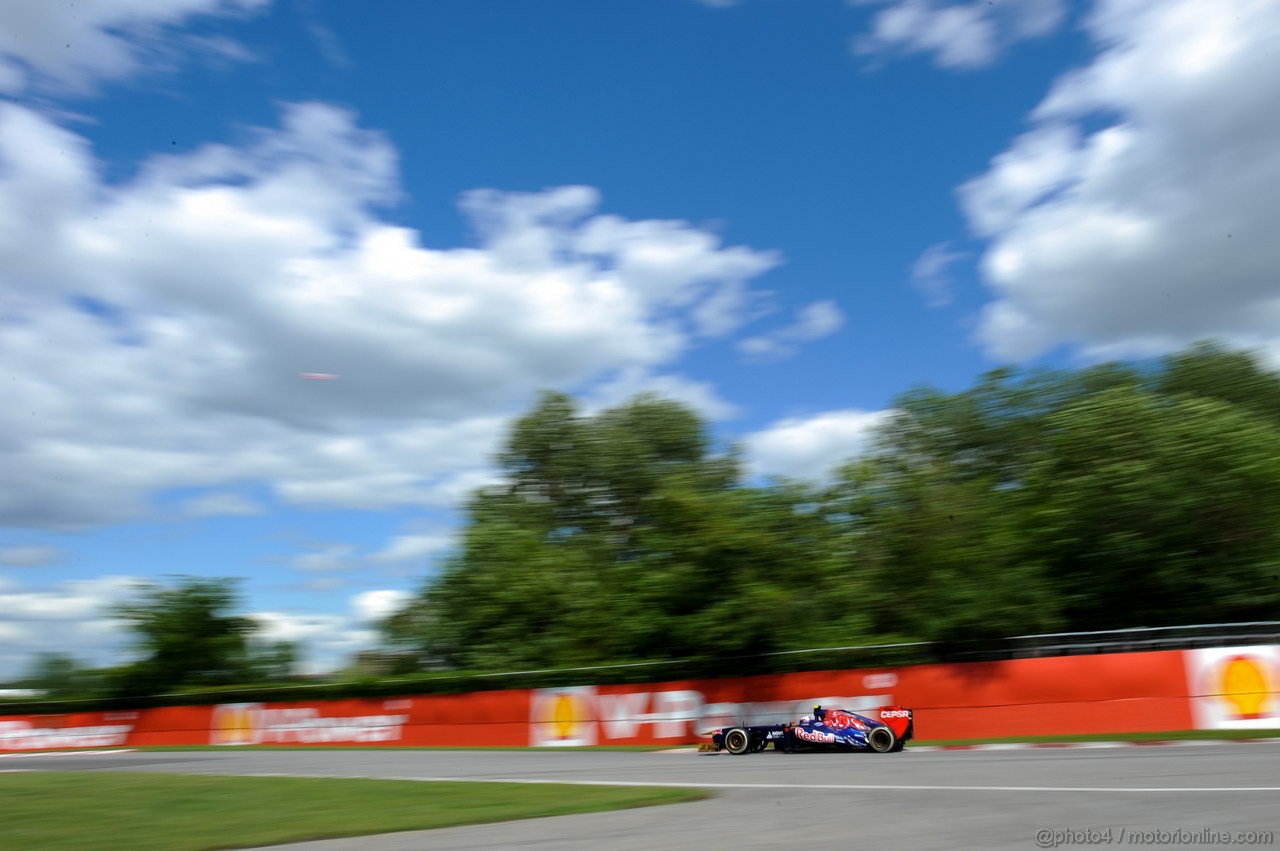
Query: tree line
{"x": 1114, "y": 496}
{"x": 187, "y": 636}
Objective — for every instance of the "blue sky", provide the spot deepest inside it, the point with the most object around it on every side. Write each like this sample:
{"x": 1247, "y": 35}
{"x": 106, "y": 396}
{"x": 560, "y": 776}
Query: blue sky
{"x": 781, "y": 213}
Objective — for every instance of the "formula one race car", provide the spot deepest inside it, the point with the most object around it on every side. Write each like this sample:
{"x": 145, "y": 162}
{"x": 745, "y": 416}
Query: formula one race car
{"x": 824, "y": 730}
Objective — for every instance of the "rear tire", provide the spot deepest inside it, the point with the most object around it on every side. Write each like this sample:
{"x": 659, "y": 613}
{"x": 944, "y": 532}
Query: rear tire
{"x": 737, "y": 741}
{"x": 882, "y": 740}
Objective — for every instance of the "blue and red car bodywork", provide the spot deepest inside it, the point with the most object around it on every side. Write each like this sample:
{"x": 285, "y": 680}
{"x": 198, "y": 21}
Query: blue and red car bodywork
{"x": 831, "y": 730}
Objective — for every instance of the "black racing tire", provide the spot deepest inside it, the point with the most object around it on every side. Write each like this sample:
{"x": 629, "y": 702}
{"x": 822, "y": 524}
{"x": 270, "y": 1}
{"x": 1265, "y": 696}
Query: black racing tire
{"x": 737, "y": 741}
{"x": 882, "y": 740}
{"x": 897, "y": 748}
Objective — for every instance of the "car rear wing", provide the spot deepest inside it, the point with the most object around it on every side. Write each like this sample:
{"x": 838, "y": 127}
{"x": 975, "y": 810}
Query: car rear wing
{"x": 897, "y": 718}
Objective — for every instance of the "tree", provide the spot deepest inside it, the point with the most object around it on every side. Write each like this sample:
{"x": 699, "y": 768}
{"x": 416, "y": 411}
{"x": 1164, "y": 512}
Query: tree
{"x": 941, "y": 555}
{"x": 59, "y": 676}
{"x": 1154, "y": 510}
{"x": 188, "y": 635}
{"x": 1209, "y": 371}
{"x": 1113, "y": 496}
{"x": 272, "y": 661}
{"x": 618, "y": 537}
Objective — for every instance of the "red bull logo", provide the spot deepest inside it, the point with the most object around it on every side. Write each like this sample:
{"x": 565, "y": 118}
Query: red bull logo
{"x": 815, "y": 736}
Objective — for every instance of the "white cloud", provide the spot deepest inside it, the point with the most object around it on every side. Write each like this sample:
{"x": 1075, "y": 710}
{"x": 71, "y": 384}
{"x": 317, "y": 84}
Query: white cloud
{"x": 330, "y": 558}
{"x": 413, "y": 548}
{"x": 931, "y": 272}
{"x": 626, "y": 384}
{"x": 813, "y": 322}
{"x": 73, "y": 600}
{"x": 221, "y": 503}
{"x": 1036, "y": 165}
{"x": 326, "y": 642}
{"x": 372, "y": 606}
{"x": 957, "y": 35}
{"x": 31, "y": 556}
{"x": 49, "y": 44}
{"x": 810, "y": 448}
{"x": 195, "y": 294}
{"x": 325, "y": 39}
{"x": 70, "y": 617}
{"x": 283, "y": 626}
{"x": 1154, "y": 230}
{"x": 334, "y": 564}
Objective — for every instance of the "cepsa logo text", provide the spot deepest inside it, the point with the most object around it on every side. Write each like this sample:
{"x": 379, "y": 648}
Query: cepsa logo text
{"x": 24, "y": 736}
{"x": 253, "y": 724}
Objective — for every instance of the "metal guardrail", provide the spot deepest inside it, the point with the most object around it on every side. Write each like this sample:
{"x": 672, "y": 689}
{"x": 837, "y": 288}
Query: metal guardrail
{"x": 1128, "y": 640}
{"x": 1131, "y": 640}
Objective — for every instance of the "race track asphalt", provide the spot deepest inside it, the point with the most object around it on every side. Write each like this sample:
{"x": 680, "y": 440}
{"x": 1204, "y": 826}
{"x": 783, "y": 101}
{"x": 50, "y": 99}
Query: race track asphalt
{"x": 933, "y": 799}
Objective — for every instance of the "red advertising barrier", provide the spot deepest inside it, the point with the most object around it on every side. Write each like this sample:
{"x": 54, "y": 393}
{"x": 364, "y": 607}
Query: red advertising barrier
{"x": 1115, "y": 693}
{"x": 1138, "y": 692}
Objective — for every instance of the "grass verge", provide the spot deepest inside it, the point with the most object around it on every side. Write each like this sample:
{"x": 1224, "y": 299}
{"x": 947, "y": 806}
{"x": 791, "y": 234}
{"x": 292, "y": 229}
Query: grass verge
{"x": 53, "y": 811}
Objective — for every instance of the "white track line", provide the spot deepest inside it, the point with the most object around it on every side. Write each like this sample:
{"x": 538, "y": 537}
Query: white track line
{"x": 61, "y": 753}
{"x": 804, "y": 786}
{"x": 1059, "y": 746}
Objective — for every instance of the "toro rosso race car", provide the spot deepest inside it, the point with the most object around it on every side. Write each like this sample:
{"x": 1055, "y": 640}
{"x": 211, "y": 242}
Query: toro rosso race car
{"x": 824, "y": 730}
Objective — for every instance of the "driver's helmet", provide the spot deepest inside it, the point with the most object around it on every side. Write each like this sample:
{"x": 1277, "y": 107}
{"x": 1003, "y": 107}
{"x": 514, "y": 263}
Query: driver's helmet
{"x": 817, "y": 712}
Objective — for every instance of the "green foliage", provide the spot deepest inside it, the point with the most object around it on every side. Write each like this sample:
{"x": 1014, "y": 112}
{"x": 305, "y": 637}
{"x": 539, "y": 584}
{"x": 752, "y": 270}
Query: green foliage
{"x": 188, "y": 637}
{"x": 132, "y": 811}
{"x": 275, "y": 661}
{"x": 1208, "y": 371}
{"x": 58, "y": 676}
{"x": 1154, "y": 510}
{"x": 1101, "y": 498}
{"x": 622, "y": 537}
{"x": 1106, "y": 497}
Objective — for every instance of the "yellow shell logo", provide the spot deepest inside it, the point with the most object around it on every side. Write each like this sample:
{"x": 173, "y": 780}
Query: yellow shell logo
{"x": 1244, "y": 684}
{"x": 233, "y": 724}
{"x": 565, "y": 716}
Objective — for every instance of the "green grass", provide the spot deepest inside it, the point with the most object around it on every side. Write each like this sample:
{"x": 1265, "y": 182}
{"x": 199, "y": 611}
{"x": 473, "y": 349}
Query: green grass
{"x": 1164, "y": 736}
{"x": 53, "y": 811}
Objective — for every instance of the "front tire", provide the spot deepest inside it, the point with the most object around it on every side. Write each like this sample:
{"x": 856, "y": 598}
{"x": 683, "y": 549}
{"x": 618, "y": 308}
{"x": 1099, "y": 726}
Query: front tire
{"x": 882, "y": 740}
{"x": 737, "y": 741}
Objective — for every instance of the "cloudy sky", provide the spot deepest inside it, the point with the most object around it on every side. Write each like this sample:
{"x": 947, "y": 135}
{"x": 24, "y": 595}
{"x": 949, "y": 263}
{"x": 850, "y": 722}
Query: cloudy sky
{"x": 781, "y": 213}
